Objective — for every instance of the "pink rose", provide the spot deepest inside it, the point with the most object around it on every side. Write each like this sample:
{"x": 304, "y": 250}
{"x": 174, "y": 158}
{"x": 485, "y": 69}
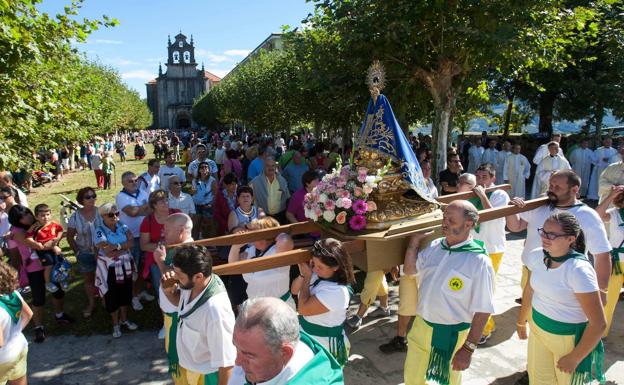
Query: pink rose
{"x": 330, "y": 204}
{"x": 372, "y": 206}
{"x": 346, "y": 203}
{"x": 358, "y": 192}
{"x": 367, "y": 189}
{"x": 341, "y": 181}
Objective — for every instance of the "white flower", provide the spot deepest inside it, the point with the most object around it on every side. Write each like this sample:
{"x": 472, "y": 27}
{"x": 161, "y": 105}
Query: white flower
{"x": 329, "y": 215}
{"x": 371, "y": 180}
{"x": 323, "y": 198}
{"x": 311, "y": 215}
{"x": 339, "y": 203}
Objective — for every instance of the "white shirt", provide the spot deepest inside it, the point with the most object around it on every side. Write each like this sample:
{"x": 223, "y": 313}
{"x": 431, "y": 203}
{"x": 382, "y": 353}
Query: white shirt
{"x": 592, "y": 225}
{"x": 490, "y": 155}
{"x": 554, "y": 289}
{"x": 303, "y": 354}
{"x": 14, "y": 340}
{"x": 183, "y": 203}
{"x": 616, "y": 232}
{"x": 219, "y": 155}
{"x": 437, "y": 269}
{"x": 492, "y": 233}
{"x": 542, "y": 152}
{"x": 204, "y": 338}
{"x": 151, "y": 184}
{"x": 267, "y": 283}
{"x": 165, "y": 172}
{"x": 124, "y": 199}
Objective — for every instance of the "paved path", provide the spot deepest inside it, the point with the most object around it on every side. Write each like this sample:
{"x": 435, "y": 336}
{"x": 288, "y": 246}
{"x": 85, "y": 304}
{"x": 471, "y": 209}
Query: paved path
{"x": 139, "y": 358}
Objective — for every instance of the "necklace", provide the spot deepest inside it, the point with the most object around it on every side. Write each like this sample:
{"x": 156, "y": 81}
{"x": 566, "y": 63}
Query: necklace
{"x": 246, "y": 213}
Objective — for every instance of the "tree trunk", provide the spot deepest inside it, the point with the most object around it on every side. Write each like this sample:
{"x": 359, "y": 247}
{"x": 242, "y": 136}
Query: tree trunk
{"x": 546, "y": 106}
{"x": 508, "y": 112}
{"x": 598, "y": 115}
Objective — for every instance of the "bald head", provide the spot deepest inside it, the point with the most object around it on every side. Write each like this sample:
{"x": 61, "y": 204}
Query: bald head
{"x": 459, "y": 218}
{"x": 178, "y": 228}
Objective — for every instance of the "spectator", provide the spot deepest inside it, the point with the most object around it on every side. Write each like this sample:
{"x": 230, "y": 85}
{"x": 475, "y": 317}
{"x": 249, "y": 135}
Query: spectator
{"x": 231, "y": 164}
{"x": 150, "y": 180}
{"x": 202, "y": 157}
{"x": 271, "y": 191}
{"x": 432, "y": 191}
{"x": 22, "y": 219}
{"x": 250, "y": 154}
{"x": 14, "y": 316}
{"x": 204, "y": 190}
{"x": 139, "y": 150}
{"x": 294, "y": 171}
{"x": 296, "y": 212}
{"x": 225, "y": 203}
{"x": 178, "y": 199}
{"x": 108, "y": 169}
{"x": 168, "y": 170}
{"x": 80, "y": 235}
{"x": 6, "y": 180}
{"x": 449, "y": 176}
{"x": 115, "y": 267}
{"x": 257, "y": 164}
{"x": 96, "y": 166}
{"x": 245, "y": 211}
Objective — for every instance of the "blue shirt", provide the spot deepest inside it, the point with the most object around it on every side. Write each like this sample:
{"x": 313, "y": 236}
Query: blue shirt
{"x": 255, "y": 168}
{"x": 203, "y": 191}
{"x": 293, "y": 173}
{"x": 104, "y": 234}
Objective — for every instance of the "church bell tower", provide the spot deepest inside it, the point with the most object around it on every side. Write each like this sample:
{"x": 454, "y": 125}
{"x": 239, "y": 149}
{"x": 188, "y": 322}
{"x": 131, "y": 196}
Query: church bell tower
{"x": 181, "y": 52}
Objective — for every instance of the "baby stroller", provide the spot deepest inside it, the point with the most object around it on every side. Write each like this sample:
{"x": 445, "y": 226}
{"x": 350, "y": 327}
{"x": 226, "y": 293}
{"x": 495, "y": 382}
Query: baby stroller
{"x": 68, "y": 207}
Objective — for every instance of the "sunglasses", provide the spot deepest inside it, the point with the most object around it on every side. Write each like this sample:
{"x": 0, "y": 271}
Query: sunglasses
{"x": 550, "y": 236}
{"x": 113, "y": 215}
{"x": 90, "y": 196}
{"x": 319, "y": 250}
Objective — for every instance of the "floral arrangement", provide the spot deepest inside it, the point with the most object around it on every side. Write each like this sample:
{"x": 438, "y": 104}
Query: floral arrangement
{"x": 343, "y": 197}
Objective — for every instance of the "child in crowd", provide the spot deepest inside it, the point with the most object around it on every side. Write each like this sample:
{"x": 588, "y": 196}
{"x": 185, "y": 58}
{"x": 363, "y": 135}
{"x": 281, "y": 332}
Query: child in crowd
{"x": 44, "y": 231}
{"x": 108, "y": 167}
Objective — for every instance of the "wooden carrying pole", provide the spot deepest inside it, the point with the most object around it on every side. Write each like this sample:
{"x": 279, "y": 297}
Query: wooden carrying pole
{"x": 469, "y": 194}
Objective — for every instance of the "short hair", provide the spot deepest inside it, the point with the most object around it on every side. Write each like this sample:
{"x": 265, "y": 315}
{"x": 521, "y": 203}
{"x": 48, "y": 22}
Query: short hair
{"x": 274, "y": 317}
{"x": 6, "y": 176}
{"x": 8, "y": 279}
{"x": 263, "y": 223}
{"x": 308, "y": 177}
{"x": 169, "y": 153}
{"x": 243, "y": 190}
{"x": 82, "y": 193}
{"x": 42, "y": 208}
{"x": 152, "y": 162}
{"x": 193, "y": 259}
{"x": 470, "y": 212}
{"x": 489, "y": 167}
{"x": 156, "y": 196}
{"x": 572, "y": 178}
{"x": 16, "y": 213}
{"x": 452, "y": 154}
{"x": 230, "y": 178}
{"x": 467, "y": 178}
{"x": 231, "y": 154}
{"x": 252, "y": 152}
{"x": 127, "y": 174}
{"x": 108, "y": 208}
{"x": 553, "y": 144}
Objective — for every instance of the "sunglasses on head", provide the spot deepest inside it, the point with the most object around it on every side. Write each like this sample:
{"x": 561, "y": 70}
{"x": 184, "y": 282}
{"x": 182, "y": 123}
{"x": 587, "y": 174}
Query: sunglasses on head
{"x": 319, "y": 250}
{"x": 113, "y": 215}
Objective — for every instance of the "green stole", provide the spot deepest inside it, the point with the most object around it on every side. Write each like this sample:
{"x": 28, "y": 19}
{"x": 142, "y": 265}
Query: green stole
{"x": 12, "y": 304}
{"x": 444, "y": 337}
{"x": 583, "y": 373}
{"x": 476, "y": 201}
{"x": 320, "y": 370}
{"x": 616, "y": 269}
{"x": 337, "y": 346}
{"x": 572, "y": 254}
{"x": 215, "y": 286}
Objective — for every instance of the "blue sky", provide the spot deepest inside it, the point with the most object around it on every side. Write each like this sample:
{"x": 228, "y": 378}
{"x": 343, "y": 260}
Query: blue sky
{"x": 224, "y": 31}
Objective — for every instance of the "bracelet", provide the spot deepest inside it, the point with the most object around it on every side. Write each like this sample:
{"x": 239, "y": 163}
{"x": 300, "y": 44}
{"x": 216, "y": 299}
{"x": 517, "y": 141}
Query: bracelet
{"x": 466, "y": 348}
{"x": 605, "y": 291}
{"x": 521, "y": 325}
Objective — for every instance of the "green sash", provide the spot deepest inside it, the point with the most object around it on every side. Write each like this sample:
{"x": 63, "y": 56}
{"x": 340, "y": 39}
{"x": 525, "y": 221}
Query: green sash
{"x": 286, "y": 296}
{"x": 474, "y": 246}
{"x": 476, "y": 201}
{"x": 583, "y": 373}
{"x": 548, "y": 260}
{"x": 337, "y": 346}
{"x": 215, "y": 286}
{"x": 443, "y": 342}
{"x": 169, "y": 257}
{"x": 616, "y": 269}
{"x": 211, "y": 378}
{"x": 12, "y": 304}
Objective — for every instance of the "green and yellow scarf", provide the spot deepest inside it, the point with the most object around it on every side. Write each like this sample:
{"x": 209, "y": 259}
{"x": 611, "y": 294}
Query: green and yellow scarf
{"x": 12, "y": 304}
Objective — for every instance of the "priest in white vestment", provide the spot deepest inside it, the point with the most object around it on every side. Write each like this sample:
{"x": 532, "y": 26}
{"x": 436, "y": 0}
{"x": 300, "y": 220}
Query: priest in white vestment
{"x": 542, "y": 151}
{"x": 612, "y": 175}
{"x": 475, "y": 153}
{"x": 516, "y": 171}
{"x": 546, "y": 168}
{"x": 601, "y": 160}
{"x": 501, "y": 158}
{"x": 490, "y": 155}
{"x": 581, "y": 162}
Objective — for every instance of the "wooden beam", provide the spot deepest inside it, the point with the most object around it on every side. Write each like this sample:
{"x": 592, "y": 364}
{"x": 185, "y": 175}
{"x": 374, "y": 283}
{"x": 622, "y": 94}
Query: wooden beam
{"x": 469, "y": 194}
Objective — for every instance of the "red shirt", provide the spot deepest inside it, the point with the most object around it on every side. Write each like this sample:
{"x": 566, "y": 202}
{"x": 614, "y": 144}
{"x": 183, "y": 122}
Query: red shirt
{"x": 157, "y": 234}
{"x": 48, "y": 232}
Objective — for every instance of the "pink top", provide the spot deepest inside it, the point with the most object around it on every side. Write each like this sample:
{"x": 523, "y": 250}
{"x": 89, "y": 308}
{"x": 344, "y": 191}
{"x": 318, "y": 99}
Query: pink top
{"x": 29, "y": 258}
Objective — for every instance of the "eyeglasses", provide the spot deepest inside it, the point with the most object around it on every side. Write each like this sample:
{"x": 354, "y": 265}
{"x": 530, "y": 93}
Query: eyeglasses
{"x": 551, "y": 236}
{"x": 113, "y": 215}
{"x": 90, "y": 196}
{"x": 175, "y": 183}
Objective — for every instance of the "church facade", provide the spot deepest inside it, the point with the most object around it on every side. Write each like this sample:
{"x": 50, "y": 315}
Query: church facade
{"x": 171, "y": 95}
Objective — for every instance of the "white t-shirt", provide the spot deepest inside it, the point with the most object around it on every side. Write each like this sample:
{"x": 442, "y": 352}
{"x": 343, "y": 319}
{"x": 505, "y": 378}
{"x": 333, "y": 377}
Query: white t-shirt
{"x": 303, "y": 354}
{"x": 492, "y": 233}
{"x": 267, "y": 283}
{"x": 165, "y": 172}
{"x": 14, "y": 340}
{"x": 554, "y": 289}
{"x": 204, "y": 338}
{"x": 183, "y": 203}
{"x": 592, "y": 225}
{"x": 616, "y": 229}
{"x": 124, "y": 199}
{"x": 149, "y": 183}
{"x": 453, "y": 286}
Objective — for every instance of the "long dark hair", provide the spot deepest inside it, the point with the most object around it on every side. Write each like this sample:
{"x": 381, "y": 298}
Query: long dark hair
{"x": 332, "y": 253}
{"x": 16, "y": 213}
{"x": 570, "y": 226}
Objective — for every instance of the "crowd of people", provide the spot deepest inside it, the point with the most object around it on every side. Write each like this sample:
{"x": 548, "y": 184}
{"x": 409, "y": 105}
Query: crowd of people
{"x": 287, "y": 325}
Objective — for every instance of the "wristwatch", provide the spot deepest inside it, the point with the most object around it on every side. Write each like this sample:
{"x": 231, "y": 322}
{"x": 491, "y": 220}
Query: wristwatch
{"x": 119, "y": 246}
{"x": 470, "y": 345}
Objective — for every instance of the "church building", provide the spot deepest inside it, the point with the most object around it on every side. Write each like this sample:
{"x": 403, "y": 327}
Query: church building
{"x": 171, "y": 95}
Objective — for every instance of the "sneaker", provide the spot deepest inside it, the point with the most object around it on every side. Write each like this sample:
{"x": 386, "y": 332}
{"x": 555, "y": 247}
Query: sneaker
{"x": 65, "y": 319}
{"x": 161, "y": 333}
{"x": 146, "y": 296}
{"x": 52, "y": 288}
{"x": 136, "y": 304}
{"x": 483, "y": 339}
{"x": 355, "y": 321}
{"x": 396, "y": 345}
{"x": 380, "y": 312}
{"x": 116, "y": 331}
{"x": 39, "y": 334}
{"x": 129, "y": 325}
{"x": 24, "y": 290}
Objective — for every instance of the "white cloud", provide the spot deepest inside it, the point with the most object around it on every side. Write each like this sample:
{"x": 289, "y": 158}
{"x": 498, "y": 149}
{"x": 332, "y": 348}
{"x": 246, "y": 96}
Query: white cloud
{"x": 237, "y": 52}
{"x": 211, "y": 57}
{"x": 121, "y": 62}
{"x": 138, "y": 74}
{"x": 104, "y": 41}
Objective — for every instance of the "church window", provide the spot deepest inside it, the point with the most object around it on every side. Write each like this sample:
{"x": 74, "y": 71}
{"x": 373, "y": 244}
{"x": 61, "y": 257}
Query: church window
{"x": 180, "y": 44}
{"x": 187, "y": 57}
{"x": 176, "y": 57}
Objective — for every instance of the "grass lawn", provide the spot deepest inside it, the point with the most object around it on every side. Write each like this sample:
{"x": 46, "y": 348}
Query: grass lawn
{"x": 75, "y": 299}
